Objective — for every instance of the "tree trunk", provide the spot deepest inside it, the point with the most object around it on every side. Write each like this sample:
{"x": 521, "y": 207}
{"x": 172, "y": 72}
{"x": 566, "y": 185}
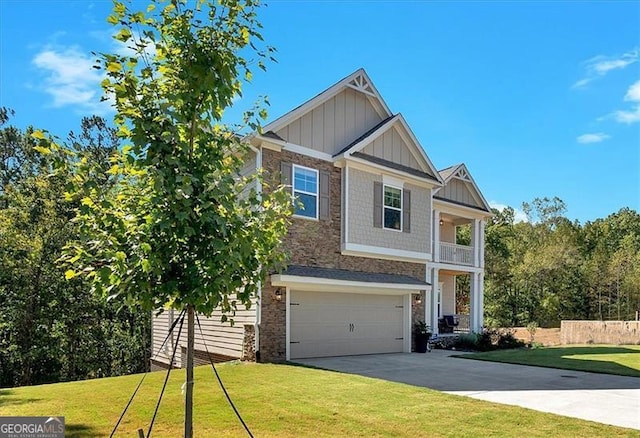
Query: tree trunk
{"x": 188, "y": 403}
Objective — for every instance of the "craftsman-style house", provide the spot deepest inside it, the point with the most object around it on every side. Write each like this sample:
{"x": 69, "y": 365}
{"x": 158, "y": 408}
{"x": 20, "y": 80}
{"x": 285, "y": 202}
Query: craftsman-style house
{"x": 372, "y": 244}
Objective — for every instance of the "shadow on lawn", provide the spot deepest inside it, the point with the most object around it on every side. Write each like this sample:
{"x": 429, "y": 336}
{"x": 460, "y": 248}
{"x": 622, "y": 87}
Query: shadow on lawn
{"x": 559, "y": 357}
{"x": 80, "y": 430}
{"x": 7, "y": 398}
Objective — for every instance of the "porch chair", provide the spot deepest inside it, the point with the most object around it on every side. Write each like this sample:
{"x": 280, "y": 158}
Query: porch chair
{"x": 448, "y": 323}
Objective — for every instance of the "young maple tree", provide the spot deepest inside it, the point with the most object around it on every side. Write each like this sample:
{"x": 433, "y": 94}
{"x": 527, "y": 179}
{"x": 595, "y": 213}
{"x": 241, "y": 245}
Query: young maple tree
{"x": 181, "y": 227}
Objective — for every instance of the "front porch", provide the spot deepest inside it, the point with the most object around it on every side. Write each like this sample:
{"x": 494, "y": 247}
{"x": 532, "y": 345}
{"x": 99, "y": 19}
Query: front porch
{"x": 455, "y": 304}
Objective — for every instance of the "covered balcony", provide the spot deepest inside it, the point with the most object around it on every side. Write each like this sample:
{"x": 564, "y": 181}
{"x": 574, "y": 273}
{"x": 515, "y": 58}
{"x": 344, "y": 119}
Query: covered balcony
{"x": 454, "y": 239}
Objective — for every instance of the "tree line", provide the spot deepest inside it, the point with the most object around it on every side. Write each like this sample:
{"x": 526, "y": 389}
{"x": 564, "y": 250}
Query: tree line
{"x": 51, "y": 328}
{"x": 550, "y": 268}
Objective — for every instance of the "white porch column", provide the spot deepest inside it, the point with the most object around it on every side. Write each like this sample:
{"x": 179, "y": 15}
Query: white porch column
{"x": 475, "y": 310}
{"x": 427, "y": 297}
{"x": 433, "y": 307}
{"x": 436, "y": 237}
{"x": 475, "y": 241}
{"x": 481, "y": 300}
{"x": 481, "y": 245}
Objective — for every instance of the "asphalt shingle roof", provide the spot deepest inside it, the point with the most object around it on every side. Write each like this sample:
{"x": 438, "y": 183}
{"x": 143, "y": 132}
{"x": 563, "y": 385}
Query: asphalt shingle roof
{"x": 346, "y": 275}
{"x": 392, "y": 165}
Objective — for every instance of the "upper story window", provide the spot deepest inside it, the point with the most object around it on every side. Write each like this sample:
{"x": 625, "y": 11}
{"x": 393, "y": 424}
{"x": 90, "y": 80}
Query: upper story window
{"x": 305, "y": 191}
{"x": 392, "y": 208}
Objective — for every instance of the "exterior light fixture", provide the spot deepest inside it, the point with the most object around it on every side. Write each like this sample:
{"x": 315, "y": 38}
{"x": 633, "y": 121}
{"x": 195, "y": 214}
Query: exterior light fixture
{"x": 278, "y": 294}
{"x": 417, "y": 299}
{"x": 441, "y": 222}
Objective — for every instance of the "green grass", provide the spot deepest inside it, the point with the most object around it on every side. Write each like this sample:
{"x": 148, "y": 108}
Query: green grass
{"x": 287, "y": 401}
{"x": 607, "y": 359}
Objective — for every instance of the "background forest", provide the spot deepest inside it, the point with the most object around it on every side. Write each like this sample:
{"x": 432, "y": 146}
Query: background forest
{"x": 53, "y": 329}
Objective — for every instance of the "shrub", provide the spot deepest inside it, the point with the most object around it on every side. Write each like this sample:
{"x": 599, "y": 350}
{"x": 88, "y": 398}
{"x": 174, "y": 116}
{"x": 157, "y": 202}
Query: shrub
{"x": 506, "y": 339}
{"x": 467, "y": 341}
{"x": 494, "y": 339}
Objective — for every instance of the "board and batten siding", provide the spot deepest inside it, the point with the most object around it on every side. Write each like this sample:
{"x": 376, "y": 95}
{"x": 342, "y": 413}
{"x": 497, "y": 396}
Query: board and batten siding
{"x": 458, "y": 191}
{"x": 220, "y": 338}
{"x": 333, "y": 125}
{"x": 361, "y": 230}
{"x": 391, "y": 146}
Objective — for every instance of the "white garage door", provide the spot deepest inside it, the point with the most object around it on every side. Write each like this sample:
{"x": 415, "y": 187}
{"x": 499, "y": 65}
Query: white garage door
{"x": 337, "y": 324}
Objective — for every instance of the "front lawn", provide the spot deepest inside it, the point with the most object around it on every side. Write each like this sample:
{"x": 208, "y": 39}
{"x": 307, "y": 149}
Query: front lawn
{"x": 287, "y": 401}
{"x": 623, "y": 360}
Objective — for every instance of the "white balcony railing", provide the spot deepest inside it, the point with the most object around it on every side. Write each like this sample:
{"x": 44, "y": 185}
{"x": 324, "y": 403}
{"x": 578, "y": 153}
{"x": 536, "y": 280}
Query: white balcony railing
{"x": 456, "y": 254}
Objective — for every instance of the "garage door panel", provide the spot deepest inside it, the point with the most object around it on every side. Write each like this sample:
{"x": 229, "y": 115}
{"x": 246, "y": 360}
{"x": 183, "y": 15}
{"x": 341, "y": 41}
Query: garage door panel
{"x": 337, "y": 324}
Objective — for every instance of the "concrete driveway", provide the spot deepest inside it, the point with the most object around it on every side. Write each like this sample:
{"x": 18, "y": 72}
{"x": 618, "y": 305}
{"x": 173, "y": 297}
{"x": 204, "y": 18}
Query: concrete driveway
{"x": 603, "y": 398}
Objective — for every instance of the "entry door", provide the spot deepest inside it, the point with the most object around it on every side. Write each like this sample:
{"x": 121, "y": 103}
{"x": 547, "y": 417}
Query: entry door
{"x": 339, "y": 324}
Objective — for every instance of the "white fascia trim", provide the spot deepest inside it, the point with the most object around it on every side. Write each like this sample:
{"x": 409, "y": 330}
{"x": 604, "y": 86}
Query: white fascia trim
{"x": 368, "y": 166}
{"x": 421, "y": 150}
{"x": 271, "y": 145}
{"x": 460, "y": 210}
{"x": 332, "y": 285}
{"x": 355, "y": 249}
{"x": 302, "y": 150}
{"x": 452, "y": 267}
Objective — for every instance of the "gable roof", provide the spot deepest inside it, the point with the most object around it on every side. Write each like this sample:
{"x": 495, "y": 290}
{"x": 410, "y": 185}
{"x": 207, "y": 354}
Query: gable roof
{"x": 460, "y": 171}
{"x": 387, "y": 124}
{"x": 358, "y": 80}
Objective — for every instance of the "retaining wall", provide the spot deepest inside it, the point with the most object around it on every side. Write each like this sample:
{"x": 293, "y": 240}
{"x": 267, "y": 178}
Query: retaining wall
{"x": 600, "y": 332}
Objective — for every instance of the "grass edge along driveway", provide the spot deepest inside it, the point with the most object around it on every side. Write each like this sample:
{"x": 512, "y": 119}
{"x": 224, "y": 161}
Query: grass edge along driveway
{"x": 622, "y": 360}
{"x": 286, "y": 401}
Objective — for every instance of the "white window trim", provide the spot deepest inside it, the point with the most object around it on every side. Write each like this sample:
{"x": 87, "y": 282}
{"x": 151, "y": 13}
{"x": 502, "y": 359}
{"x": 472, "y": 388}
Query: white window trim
{"x": 304, "y": 192}
{"x": 384, "y": 186}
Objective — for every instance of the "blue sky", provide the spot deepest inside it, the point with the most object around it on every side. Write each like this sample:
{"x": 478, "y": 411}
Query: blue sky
{"x": 537, "y": 98}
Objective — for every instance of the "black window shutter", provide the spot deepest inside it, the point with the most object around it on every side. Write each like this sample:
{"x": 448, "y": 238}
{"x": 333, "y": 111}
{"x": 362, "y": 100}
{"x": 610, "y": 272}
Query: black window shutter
{"x": 377, "y": 204}
{"x": 406, "y": 211}
{"x": 323, "y": 201}
{"x": 285, "y": 174}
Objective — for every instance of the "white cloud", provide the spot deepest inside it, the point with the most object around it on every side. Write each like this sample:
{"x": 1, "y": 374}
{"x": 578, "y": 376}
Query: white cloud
{"x": 627, "y": 117}
{"x": 518, "y": 215}
{"x": 631, "y": 115}
{"x": 592, "y": 138}
{"x": 600, "y": 65}
{"x": 70, "y": 79}
{"x": 633, "y": 93}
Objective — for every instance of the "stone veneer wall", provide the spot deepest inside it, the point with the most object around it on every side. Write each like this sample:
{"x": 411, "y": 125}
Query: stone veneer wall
{"x": 417, "y": 314}
{"x": 600, "y": 332}
{"x": 314, "y": 243}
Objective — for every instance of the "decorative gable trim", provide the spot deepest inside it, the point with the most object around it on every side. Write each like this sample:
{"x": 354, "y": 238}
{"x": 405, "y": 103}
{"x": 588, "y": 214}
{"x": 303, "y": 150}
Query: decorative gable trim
{"x": 358, "y": 80}
{"x": 461, "y": 173}
{"x": 361, "y": 84}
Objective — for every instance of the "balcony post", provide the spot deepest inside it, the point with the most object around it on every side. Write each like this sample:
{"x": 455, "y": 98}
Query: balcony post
{"x": 436, "y": 236}
{"x": 475, "y": 242}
